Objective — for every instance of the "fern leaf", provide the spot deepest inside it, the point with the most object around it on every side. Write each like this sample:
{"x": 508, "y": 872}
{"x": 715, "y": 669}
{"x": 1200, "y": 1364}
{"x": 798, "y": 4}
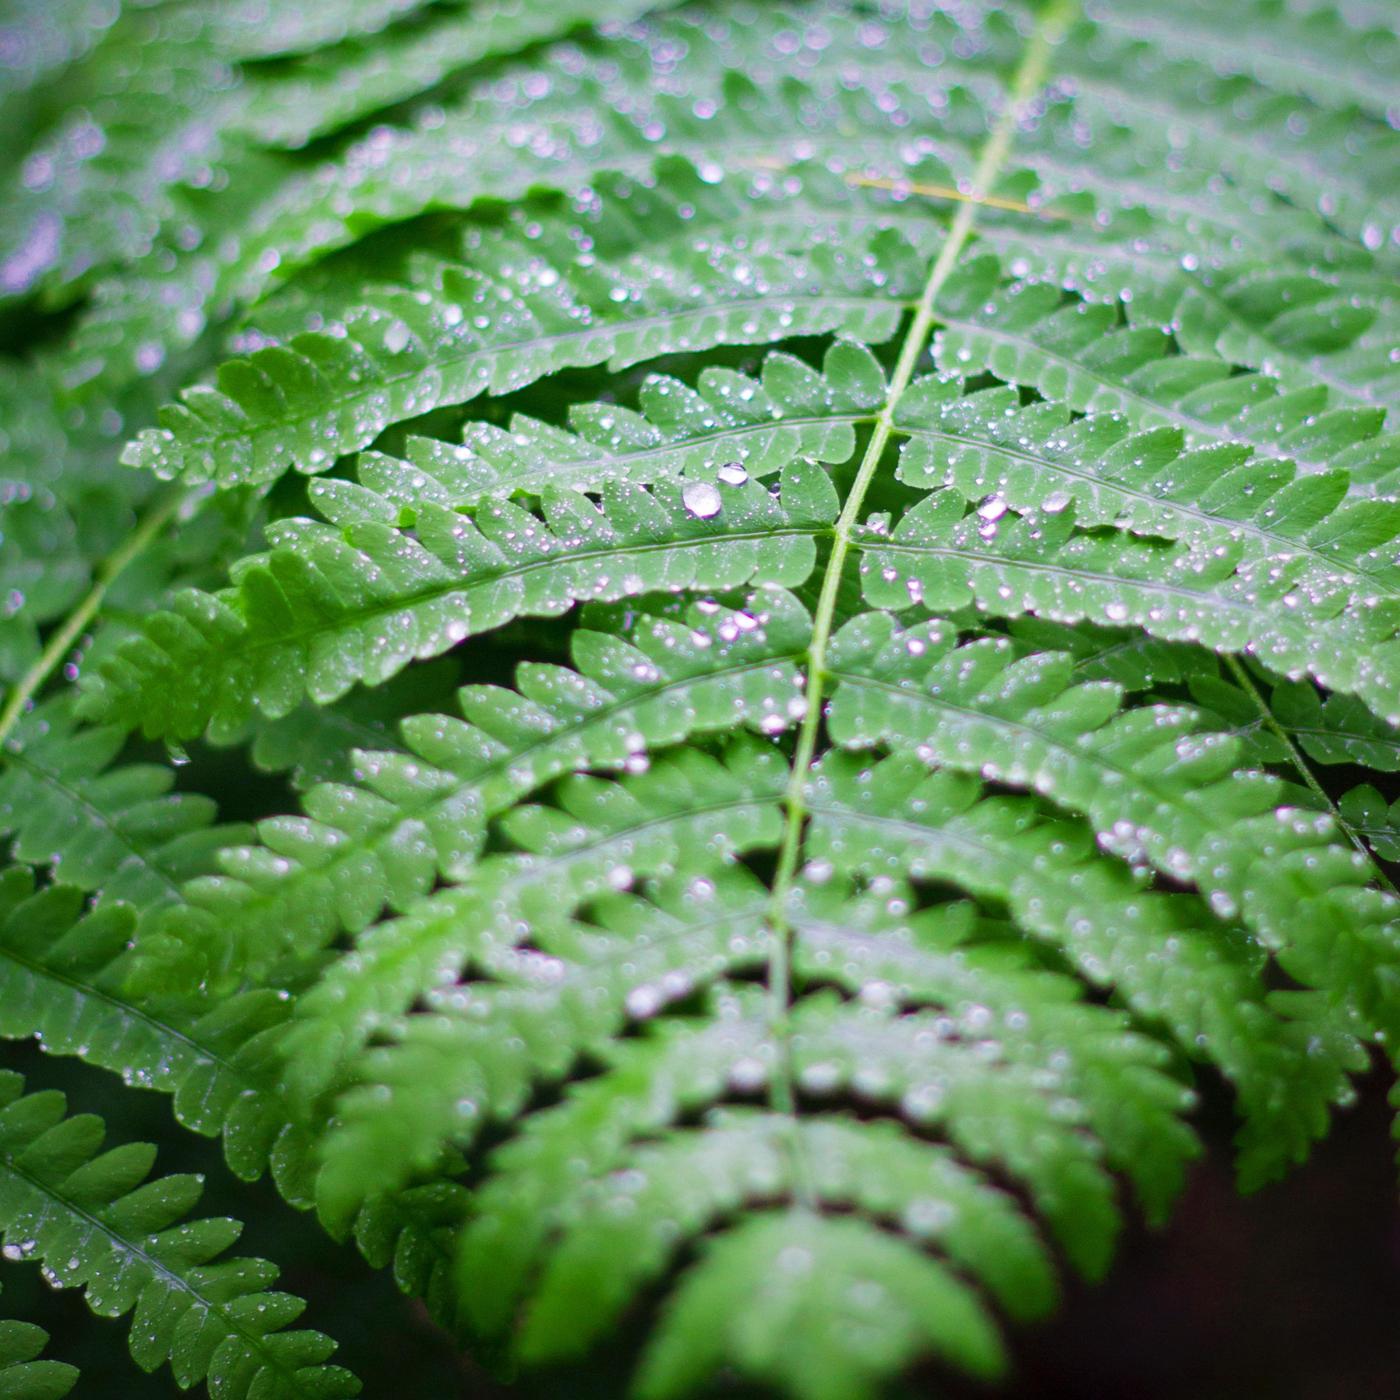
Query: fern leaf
{"x": 1331, "y": 729}
{"x": 1167, "y": 957}
{"x": 747, "y": 104}
{"x": 1079, "y": 354}
{"x": 87, "y": 1218}
{"x": 63, "y": 976}
{"x": 1326, "y": 163}
{"x": 753, "y": 426}
{"x": 601, "y": 837}
{"x": 1302, "y": 331}
{"x": 1253, "y": 509}
{"x": 987, "y": 445}
{"x": 1375, "y": 820}
{"x": 423, "y": 815}
{"x": 140, "y": 842}
{"x": 743, "y": 1153}
{"x": 571, "y": 1001}
{"x": 60, "y": 510}
{"x": 304, "y": 218}
{"x": 914, "y": 1061}
{"x": 314, "y": 97}
{"x": 120, "y": 190}
{"x": 1288, "y": 1061}
{"x": 70, "y": 515}
{"x": 1040, "y": 563}
{"x": 930, "y": 1079}
{"x": 316, "y": 743}
{"x": 56, "y": 37}
{"x": 23, "y": 1375}
{"x": 906, "y": 780}
{"x": 1312, "y": 52}
{"x": 400, "y": 353}
{"x": 64, "y": 979}
{"x": 904, "y": 1303}
{"x": 331, "y": 606}
{"x": 245, "y": 30}
{"x": 97, "y": 189}
{"x": 1155, "y": 783}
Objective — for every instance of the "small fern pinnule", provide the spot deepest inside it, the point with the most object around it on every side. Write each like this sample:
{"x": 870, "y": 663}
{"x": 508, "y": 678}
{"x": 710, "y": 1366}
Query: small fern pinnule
{"x": 24, "y": 1371}
{"x": 794, "y": 614}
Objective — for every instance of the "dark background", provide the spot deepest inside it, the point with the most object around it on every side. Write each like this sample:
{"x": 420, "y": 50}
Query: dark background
{"x": 1290, "y": 1294}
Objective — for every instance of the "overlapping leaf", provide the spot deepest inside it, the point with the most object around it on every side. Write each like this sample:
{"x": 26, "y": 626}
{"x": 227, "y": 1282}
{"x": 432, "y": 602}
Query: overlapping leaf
{"x": 710, "y": 950}
{"x": 332, "y": 605}
{"x": 520, "y": 309}
{"x": 64, "y": 979}
{"x": 24, "y": 1374}
{"x": 91, "y": 1219}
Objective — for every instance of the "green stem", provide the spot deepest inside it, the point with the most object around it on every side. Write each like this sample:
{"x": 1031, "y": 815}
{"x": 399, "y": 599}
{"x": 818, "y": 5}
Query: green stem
{"x": 63, "y": 640}
{"x": 1030, "y": 75}
{"x": 1246, "y": 683}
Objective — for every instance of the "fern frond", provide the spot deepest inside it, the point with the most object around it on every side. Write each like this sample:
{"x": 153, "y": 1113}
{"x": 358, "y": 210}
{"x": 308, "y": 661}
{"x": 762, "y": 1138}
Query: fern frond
{"x": 600, "y": 837}
{"x": 96, "y": 189}
{"x": 1311, "y": 51}
{"x": 576, "y": 988}
{"x": 1039, "y": 562}
{"x": 1156, "y": 784}
{"x": 321, "y": 94}
{"x": 832, "y": 1273}
{"x": 1330, "y": 729}
{"x": 65, "y": 979}
{"x": 157, "y": 100}
{"x": 744, "y": 1154}
{"x": 523, "y": 309}
{"x": 1375, "y": 820}
{"x": 116, "y": 830}
{"x": 479, "y": 154}
{"x": 23, "y": 1374}
{"x": 1224, "y": 121}
{"x": 246, "y": 30}
{"x": 750, "y": 425}
{"x": 1079, "y": 354}
{"x": 999, "y": 1109}
{"x": 906, "y": 780}
{"x": 92, "y": 1221}
{"x": 415, "y": 817}
{"x": 56, "y": 36}
{"x": 58, "y": 511}
{"x": 316, "y": 743}
{"x": 1218, "y": 502}
{"x": 930, "y": 1078}
{"x": 582, "y": 980}
{"x": 74, "y": 525}
{"x": 987, "y": 445}
{"x": 332, "y": 606}
{"x": 1167, "y": 957}
{"x": 744, "y": 99}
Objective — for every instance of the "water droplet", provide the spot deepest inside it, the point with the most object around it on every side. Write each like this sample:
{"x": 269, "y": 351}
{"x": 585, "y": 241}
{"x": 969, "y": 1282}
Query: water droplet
{"x": 701, "y": 499}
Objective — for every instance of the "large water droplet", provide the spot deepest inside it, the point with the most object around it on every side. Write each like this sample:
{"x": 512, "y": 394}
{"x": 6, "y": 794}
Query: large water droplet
{"x": 701, "y": 499}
